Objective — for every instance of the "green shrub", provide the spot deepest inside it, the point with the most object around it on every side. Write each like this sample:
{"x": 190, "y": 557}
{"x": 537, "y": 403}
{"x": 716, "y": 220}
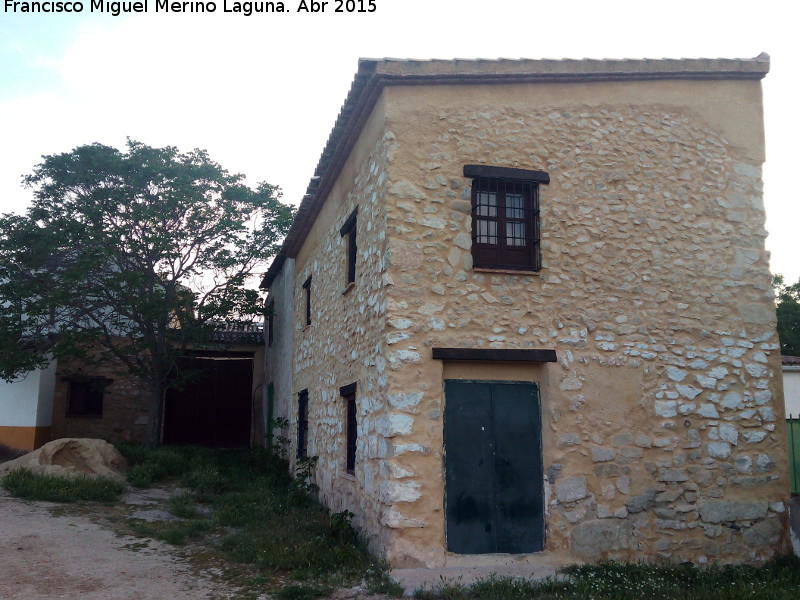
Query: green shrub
{"x": 205, "y": 480}
{"x": 172, "y": 532}
{"x": 24, "y": 483}
{"x": 261, "y": 515}
{"x": 133, "y": 453}
{"x": 183, "y": 506}
{"x": 142, "y": 475}
{"x": 147, "y": 467}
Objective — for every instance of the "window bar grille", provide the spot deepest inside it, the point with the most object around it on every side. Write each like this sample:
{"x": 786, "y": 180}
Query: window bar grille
{"x": 505, "y": 216}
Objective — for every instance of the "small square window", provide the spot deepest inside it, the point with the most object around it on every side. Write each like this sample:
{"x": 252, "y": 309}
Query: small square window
{"x": 349, "y": 230}
{"x": 505, "y": 217}
{"x": 85, "y": 397}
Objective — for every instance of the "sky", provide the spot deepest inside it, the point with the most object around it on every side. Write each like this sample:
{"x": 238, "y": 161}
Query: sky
{"x": 262, "y": 92}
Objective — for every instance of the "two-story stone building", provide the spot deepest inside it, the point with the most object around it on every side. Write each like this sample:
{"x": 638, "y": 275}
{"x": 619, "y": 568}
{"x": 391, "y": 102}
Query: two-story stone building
{"x": 525, "y": 306}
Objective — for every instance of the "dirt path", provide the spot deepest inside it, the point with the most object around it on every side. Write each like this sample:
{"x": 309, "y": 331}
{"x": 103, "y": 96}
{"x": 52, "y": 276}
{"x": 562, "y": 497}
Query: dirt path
{"x": 67, "y": 556}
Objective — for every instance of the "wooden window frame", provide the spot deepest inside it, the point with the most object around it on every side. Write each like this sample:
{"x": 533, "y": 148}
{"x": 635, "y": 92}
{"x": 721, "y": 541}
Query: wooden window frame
{"x": 348, "y": 393}
{"x": 505, "y": 217}
{"x": 349, "y": 230}
{"x": 307, "y": 288}
{"x": 302, "y": 424}
{"x": 95, "y": 385}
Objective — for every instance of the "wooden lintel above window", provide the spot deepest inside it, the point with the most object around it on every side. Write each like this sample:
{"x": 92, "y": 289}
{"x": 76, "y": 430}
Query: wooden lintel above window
{"x": 507, "y": 173}
{"x": 349, "y": 223}
{"x": 495, "y": 354}
{"x": 347, "y": 390}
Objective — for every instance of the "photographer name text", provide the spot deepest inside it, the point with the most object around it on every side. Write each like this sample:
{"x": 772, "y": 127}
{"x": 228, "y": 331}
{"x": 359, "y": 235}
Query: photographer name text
{"x": 245, "y": 8}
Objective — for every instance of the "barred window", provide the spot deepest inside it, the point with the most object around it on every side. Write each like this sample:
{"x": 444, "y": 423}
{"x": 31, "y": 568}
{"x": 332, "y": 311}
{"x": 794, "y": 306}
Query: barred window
{"x": 307, "y": 291}
{"x": 85, "y": 396}
{"x": 505, "y": 217}
{"x": 270, "y": 322}
{"x": 348, "y": 230}
{"x": 348, "y": 393}
{"x": 302, "y": 424}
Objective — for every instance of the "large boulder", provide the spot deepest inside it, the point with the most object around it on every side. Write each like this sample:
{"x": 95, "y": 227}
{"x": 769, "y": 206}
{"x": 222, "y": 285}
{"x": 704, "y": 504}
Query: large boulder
{"x": 72, "y": 456}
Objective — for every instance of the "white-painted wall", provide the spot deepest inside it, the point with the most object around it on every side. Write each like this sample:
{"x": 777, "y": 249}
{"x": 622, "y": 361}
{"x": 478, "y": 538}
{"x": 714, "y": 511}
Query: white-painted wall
{"x": 791, "y": 390}
{"x": 279, "y": 357}
{"x": 47, "y": 389}
{"x": 28, "y": 402}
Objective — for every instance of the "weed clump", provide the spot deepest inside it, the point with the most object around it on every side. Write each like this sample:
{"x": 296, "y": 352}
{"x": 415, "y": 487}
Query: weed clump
{"x": 247, "y": 507}
{"x": 24, "y": 483}
{"x": 147, "y": 467}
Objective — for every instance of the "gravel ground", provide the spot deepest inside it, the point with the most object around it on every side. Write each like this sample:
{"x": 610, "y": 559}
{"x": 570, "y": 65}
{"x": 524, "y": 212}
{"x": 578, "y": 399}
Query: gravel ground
{"x": 54, "y": 551}
{"x": 47, "y": 552}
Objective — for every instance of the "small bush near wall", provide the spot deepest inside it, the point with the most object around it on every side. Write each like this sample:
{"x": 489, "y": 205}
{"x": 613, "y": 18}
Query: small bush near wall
{"x": 23, "y": 483}
{"x": 247, "y": 508}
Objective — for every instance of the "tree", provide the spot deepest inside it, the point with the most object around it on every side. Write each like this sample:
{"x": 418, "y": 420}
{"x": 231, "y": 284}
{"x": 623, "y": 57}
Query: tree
{"x": 141, "y": 252}
{"x": 788, "y": 313}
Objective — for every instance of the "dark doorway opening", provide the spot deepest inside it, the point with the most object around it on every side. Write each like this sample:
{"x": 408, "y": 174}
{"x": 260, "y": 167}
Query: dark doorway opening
{"x": 493, "y": 467}
{"x": 212, "y": 406}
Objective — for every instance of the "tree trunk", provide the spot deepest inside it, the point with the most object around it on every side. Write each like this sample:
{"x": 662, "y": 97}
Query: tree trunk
{"x": 155, "y": 421}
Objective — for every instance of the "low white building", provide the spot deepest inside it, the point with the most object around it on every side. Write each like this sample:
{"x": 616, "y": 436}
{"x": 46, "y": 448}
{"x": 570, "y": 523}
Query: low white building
{"x": 26, "y": 409}
{"x": 791, "y": 385}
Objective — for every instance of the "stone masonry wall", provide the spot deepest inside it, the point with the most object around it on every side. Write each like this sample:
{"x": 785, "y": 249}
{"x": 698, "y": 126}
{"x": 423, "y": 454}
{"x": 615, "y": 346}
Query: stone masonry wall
{"x": 345, "y": 341}
{"x": 125, "y": 403}
{"x": 664, "y": 433}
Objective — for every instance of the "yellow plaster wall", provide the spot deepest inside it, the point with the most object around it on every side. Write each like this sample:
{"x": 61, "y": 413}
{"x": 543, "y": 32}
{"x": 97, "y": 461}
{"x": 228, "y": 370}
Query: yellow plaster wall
{"x": 664, "y": 409}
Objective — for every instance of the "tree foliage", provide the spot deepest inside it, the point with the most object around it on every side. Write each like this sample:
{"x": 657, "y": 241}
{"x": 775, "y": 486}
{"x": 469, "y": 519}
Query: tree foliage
{"x": 142, "y": 252}
{"x": 788, "y": 313}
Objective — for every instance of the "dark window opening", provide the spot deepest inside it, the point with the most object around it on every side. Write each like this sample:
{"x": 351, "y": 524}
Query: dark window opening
{"x": 270, "y": 322}
{"x": 505, "y": 217}
{"x": 85, "y": 397}
{"x": 307, "y": 288}
{"x": 349, "y": 230}
{"x": 302, "y": 424}
{"x": 348, "y": 392}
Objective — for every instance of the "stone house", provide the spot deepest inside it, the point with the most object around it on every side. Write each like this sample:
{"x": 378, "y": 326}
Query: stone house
{"x": 525, "y": 307}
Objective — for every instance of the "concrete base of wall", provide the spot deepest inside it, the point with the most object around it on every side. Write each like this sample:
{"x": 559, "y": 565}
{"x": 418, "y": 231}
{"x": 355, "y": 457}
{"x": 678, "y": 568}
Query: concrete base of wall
{"x": 466, "y": 569}
{"x": 24, "y": 438}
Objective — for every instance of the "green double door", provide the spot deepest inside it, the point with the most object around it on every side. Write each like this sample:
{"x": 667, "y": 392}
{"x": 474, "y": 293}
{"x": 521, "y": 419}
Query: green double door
{"x": 493, "y": 467}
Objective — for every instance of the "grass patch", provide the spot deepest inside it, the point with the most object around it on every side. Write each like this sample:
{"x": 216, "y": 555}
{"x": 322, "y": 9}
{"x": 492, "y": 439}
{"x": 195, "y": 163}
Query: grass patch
{"x": 303, "y": 591}
{"x": 778, "y": 580}
{"x": 147, "y": 467}
{"x": 176, "y": 533}
{"x": 183, "y": 506}
{"x": 24, "y": 483}
{"x": 245, "y": 507}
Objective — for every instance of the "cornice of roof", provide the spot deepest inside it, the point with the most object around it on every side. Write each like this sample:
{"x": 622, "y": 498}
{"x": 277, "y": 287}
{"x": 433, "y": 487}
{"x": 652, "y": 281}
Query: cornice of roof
{"x": 376, "y": 73}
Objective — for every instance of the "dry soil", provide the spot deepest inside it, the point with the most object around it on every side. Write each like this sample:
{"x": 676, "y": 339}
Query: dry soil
{"x": 50, "y": 552}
